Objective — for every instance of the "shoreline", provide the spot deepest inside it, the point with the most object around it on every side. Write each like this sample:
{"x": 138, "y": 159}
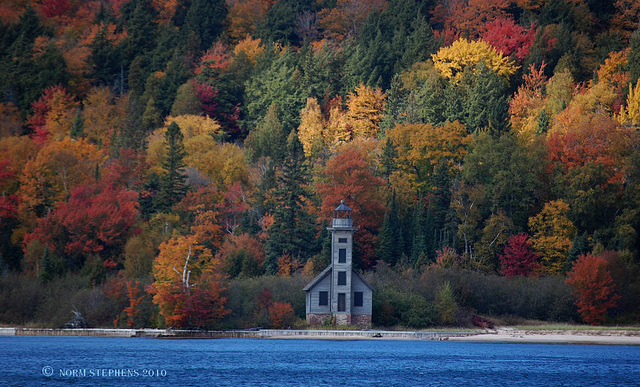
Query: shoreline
{"x": 499, "y": 335}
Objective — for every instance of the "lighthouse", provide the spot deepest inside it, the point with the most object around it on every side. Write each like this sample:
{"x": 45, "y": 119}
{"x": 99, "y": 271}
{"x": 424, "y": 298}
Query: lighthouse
{"x": 339, "y": 295}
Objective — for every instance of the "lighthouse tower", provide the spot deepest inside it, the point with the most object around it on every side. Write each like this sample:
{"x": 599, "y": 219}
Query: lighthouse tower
{"x": 339, "y": 293}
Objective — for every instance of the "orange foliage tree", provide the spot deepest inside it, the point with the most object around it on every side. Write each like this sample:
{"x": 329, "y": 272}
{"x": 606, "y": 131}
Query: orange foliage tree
{"x": 469, "y": 16}
{"x": 593, "y": 287}
{"x": 281, "y": 315}
{"x": 52, "y": 114}
{"x": 188, "y": 284}
{"x": 56, "y": 170}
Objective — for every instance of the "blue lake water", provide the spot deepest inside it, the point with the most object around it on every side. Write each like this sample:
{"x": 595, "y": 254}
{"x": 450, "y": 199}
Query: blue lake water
{"x": 89, "y": 361}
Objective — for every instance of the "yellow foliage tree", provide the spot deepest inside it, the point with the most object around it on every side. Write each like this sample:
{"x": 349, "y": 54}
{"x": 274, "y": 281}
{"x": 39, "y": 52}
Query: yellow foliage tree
{"x": 551, "y": 235}
{"x": 188, "y": 283}
{"x": 58, "y": 167}
{"x": 251, "y": 48}
{"x": 99, "y": 115}
{"x": 422, "y": 147}
{"x": 364, "y": 112}
{"x": 198, "y": 132}
{"x": 630, "y": 115}
{"x": 452, "y": 60}
{"x": 312, "y": 130}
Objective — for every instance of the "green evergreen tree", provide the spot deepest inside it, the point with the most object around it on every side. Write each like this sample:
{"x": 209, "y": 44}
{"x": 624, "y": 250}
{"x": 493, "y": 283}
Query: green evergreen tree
{"x": 173, "y": 181}
{"x": 581, "y": 245}
{"x": 634, "y": 56}
{"x": 388, "y": 160}
{"x": 390, "y": 238}
{"x": 268, "y": 139}
{"x": 275, "y": 81}
{"x": 47, "y": 272}
{"x": 186, "y": 101}
{"x": 105, "y": 58}
{"x": 205, "y": 18}
{"x": 543, "y": 122}
{"x": 137, "y": 17}
{"x": 293, "y": 231}
{"x": 77, "y": 128}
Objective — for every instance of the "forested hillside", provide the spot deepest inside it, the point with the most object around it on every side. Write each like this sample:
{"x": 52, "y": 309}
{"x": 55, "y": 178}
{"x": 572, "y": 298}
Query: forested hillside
{"x": 175, "y": 162}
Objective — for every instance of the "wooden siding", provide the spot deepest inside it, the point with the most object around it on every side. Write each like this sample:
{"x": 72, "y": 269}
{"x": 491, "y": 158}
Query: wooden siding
{"x": 313, "y": 296}
{"x": 367, "y": 303}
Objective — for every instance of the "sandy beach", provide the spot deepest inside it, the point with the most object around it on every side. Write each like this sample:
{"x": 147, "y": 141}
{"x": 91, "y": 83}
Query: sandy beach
{"x": 512, "y": 335}
{"x": 501, "y": 334}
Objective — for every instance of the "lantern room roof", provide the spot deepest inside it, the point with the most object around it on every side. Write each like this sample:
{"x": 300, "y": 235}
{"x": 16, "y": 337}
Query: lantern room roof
{"x": 342, "y": 207}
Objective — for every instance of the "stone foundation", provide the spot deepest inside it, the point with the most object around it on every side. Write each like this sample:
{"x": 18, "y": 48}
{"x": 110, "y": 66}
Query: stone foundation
{"x": 343, "y": 319}
{"x": 362, "y": 321}
{"x": 316, "y": 320}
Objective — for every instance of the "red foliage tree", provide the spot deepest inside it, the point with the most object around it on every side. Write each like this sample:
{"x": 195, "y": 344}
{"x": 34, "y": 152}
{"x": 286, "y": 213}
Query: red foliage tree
{"x": 519, "y": 259}
{"x": 206, "y": 93}
{"x": 52, "y": 8}
{"x": 135, "y": 299}
{"x": 350, "y": 176}
{"x": 50, "y": 108}
{"x": 509, "y": 38}
{"x": 95, "y": 220}
{"x": 593, "y": 287}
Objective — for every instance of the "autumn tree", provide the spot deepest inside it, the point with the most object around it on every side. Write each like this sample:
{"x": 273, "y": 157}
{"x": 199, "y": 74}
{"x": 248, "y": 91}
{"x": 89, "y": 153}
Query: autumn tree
{"x": 313, "y": 129}
{"x": 470, "y": 16}
{"x": 58, "y": 167}
{"x": 96, "y": 221}
{"x": 188, "y": 284}
{"x": 630, "y": 114}
{"x": 421, "y": 148}
{"x": 364, "y": 111}
{"x": 552, "y": 234}
{"x": 452, "y": 60}
{"x": 518, "y": 258}
{"x": 593, "y": 287}
{"x": 53, "y": 114}
{"x": 242, "y": 256}
{"x": 509, "y": 38}
{"x": 349, "y": 176}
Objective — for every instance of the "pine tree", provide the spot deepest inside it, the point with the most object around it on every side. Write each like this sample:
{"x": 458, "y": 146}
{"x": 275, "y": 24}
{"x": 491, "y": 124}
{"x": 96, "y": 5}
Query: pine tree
{"x": 634, "y": 57}
{"x": 391, "y": 239}
{"x": 47, "y": 272}
{"x": 77, "y": 128}
{"x": 173, "y": 181}
{"x": 293, "y": 231}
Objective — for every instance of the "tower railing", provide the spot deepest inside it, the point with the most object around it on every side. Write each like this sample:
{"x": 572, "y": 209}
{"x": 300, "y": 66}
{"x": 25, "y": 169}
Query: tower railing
{"x": 337, "y": 222}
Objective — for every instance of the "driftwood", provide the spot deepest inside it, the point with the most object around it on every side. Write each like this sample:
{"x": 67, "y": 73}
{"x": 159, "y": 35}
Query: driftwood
{"x": 482, "y": 322}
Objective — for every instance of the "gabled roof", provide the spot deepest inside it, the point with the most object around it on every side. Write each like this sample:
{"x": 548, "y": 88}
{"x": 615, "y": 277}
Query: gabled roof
{"x": 326, "y": 272}
{"x": 318, "y": 278}
{"x": 362, "y": 279}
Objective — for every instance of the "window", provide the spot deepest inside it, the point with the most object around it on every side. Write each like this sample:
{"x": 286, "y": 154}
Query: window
{"x": 342, "y": 278}
{"x": 342, "y": 302}
{"x": 323, "y": 299}
{"x": 342, "y": 256}
{"x": 342, "y": 240}
{"x": 358, "y": 299}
